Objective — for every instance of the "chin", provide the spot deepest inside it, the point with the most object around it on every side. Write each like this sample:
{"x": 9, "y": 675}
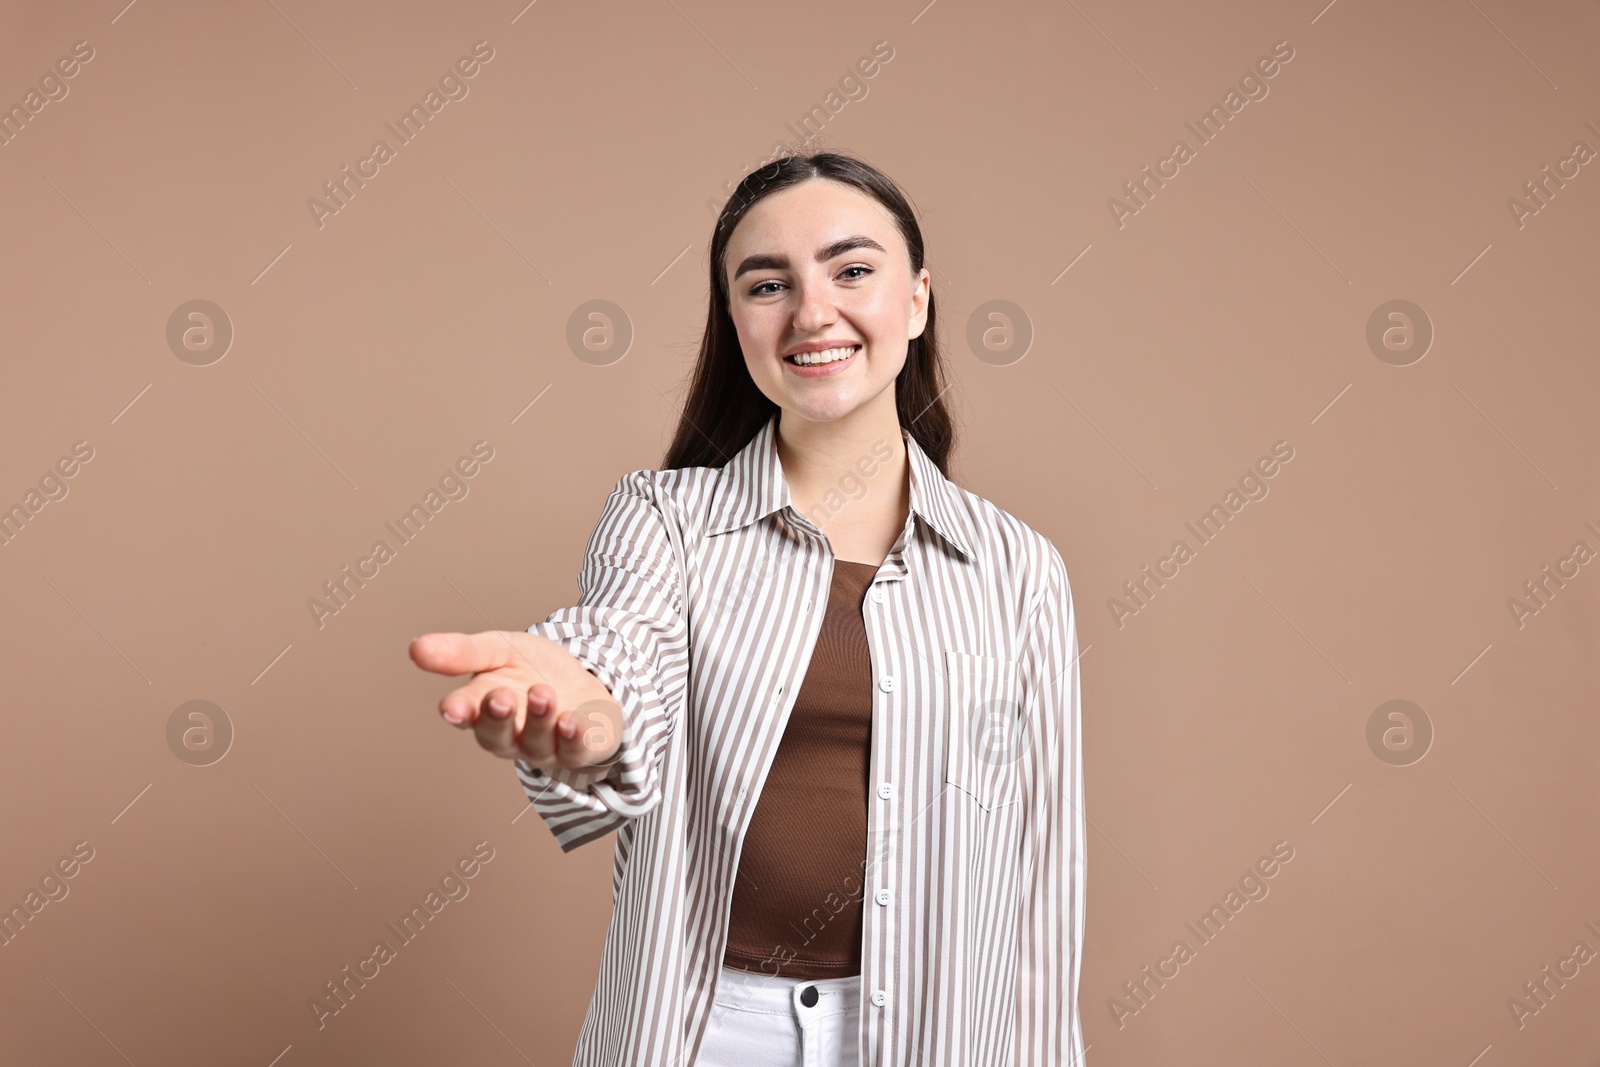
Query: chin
{"x": 813, "y": 412}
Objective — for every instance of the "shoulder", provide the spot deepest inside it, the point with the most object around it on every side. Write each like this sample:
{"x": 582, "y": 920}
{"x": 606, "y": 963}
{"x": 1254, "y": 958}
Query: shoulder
{"x": 677, "y": 483}
{"x": 678, "y": 493}
{"x": 1008, "y": 544}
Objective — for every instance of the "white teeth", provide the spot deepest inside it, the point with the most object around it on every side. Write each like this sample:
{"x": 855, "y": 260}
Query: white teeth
{"x": 830, "y": 355}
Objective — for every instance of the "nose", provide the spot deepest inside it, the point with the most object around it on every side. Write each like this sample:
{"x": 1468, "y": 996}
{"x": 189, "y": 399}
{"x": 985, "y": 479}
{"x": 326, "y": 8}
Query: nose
{"x": 814, "y": 308}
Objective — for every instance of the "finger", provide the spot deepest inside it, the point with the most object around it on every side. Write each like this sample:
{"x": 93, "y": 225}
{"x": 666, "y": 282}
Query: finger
{"x": 569, "y": 741}
{"x": 463, "y": 705}
{"x": 535, "y": 743}
{"x": 497, "y": 723}
{"x": 588, "y": 734}
{"x": 459, "y": 653}
{"x": 573, "y": 739}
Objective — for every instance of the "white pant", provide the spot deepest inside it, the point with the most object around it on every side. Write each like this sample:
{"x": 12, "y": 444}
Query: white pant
{"x": 759, "y": 1019}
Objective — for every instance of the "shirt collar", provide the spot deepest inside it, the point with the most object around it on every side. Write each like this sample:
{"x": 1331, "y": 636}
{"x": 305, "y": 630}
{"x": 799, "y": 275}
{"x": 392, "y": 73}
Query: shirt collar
{"x": 753, "y": 486}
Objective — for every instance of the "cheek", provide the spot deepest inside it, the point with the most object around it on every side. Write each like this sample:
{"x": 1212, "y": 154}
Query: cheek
{"x": 757, "y": 326}
{"x": 755, "y": 337}
{"x": 760, "y": 370}
{"x": 884, "y": 313}
{"x": 759, "y": 362}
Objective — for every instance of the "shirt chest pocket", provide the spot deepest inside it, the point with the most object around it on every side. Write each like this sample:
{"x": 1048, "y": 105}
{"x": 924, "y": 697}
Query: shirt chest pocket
{"x": 983, "y": 727}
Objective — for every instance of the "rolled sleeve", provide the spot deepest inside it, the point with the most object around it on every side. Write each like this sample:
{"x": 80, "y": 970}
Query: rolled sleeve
{"x": 628, "y": 630}
{"x": 1051, "y": 910}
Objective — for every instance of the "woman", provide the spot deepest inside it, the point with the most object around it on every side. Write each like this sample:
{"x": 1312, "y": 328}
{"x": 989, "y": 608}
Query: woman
{"x": 827, "y": 699}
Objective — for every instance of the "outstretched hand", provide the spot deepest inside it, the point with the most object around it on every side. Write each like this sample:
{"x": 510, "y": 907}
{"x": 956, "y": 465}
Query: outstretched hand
{"x": 528, "y": 698}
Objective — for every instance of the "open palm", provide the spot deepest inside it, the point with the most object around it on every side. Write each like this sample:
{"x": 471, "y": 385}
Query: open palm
{"x": 528, "y": 698}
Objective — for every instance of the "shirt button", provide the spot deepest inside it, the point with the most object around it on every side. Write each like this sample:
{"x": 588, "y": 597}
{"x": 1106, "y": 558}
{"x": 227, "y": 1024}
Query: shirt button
{"x": 877, "y": 596}
{"x": 882, "y": 896}
{"x": 886, "y": 790}
{"x": 886, "y": 683}
{"x": 879, "y": 997}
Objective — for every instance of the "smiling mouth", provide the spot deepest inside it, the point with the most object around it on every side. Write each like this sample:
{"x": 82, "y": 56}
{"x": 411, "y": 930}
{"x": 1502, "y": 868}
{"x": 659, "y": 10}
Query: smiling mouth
{"x": 821, "y": 359}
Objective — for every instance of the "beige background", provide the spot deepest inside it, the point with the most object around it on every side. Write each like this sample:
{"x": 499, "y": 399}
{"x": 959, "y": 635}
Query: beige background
{"x": 1228, "y": 314}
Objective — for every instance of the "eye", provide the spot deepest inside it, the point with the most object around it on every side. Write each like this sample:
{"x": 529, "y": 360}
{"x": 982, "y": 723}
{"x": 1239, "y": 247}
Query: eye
{"x": 757, "y": 290}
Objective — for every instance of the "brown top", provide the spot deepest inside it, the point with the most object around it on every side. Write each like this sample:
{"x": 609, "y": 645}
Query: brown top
{"x": 797, "y": 899}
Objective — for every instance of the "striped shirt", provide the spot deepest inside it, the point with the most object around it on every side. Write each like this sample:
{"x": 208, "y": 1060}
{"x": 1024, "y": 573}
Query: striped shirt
{"x": 975, "y": 851}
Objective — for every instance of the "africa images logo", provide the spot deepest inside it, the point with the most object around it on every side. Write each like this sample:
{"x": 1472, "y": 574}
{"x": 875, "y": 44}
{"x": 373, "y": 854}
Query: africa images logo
{"x": 452, "y": 85}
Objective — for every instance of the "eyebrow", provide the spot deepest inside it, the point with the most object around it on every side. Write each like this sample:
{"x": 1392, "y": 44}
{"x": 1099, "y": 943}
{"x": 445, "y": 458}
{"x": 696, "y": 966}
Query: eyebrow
{"x": 769, "y": 261}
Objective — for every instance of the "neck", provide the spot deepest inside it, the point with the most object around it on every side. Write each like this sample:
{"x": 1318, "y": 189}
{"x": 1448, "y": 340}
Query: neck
{"x": 840, "y": 456}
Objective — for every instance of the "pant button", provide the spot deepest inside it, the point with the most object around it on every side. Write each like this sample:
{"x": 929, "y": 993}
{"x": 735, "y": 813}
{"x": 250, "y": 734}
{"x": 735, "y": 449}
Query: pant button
{"x": 808, "y": 996}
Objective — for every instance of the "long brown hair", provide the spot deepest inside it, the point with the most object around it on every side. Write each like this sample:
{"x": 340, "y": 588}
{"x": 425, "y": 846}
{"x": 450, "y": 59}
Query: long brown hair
{"x": 725, "y": 409}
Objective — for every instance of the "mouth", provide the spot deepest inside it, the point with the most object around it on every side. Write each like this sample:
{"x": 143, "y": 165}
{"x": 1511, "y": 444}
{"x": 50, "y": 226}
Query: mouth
{"x": 827, "y": 362}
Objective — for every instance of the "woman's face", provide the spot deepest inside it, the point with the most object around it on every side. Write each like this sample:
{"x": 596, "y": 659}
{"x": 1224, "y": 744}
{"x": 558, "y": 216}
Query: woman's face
{"x": 823, "y": 262}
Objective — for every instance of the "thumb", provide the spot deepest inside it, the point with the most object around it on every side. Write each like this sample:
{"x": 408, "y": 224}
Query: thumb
{"x": 458, "y": 653}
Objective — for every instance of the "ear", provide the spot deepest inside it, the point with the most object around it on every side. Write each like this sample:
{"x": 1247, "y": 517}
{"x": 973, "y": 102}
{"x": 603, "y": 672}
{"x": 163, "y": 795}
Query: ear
{"x": 920, "y": 295}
